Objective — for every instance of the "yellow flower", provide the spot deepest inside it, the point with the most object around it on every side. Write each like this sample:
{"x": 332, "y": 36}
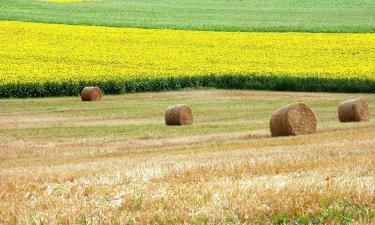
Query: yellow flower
{"x": 39, "y": 53}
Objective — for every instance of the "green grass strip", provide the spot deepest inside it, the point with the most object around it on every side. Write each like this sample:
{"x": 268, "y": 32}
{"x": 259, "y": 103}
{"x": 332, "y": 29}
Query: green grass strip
{"x": 250, "y": 82}
{"x": 214, "y": 15}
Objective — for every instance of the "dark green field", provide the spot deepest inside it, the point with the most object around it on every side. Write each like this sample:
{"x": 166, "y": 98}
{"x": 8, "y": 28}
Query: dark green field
{"x": 221, "y": 15}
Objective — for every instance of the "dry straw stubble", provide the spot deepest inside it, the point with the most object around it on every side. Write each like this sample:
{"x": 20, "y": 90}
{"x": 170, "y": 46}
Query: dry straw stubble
{"x": 354, "y": 110}
{"x": 91, "y": 94}
{"x": 293, "y": 119}
{"x": 180, "y": 114}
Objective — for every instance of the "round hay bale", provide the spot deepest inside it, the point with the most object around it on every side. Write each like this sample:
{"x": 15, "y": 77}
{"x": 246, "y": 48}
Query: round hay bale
{"x": 293, "y": 119}
{"x": 179, "y": 115}
{"x": 91, "y": 94}
{"x": 354, "y": 110}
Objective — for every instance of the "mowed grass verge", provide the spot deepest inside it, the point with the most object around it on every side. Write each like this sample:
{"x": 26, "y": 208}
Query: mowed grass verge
{"x": 217, "y": 15}
{"x": 49, "y": 60}
{"x": 67, "y": 161}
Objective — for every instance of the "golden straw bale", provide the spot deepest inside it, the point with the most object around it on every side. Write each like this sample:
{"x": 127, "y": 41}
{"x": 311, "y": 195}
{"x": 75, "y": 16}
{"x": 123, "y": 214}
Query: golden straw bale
{"x": 293, "y": 119}
{"x": 179, "y": 115}
{"x": 354, "y": 110}
{"x": 91, "y": 94}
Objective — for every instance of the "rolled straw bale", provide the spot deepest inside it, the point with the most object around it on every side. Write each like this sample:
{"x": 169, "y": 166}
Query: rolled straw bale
{"x": 179, "y": 115}
{"x": 293, "y": 119}
{"x": 354, "y": 110}
{"x": 91, "y": 94}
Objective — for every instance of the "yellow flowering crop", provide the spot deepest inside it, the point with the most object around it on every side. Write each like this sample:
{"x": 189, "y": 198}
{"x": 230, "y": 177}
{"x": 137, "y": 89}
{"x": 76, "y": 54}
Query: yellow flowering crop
{"x": 38, "y": 53}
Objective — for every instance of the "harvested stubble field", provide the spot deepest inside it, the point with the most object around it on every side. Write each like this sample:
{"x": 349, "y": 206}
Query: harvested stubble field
{"x": 66, "y": 161}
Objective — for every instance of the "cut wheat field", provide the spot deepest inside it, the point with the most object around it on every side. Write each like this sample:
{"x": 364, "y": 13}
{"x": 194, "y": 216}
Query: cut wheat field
{"x": 63, "y": 161}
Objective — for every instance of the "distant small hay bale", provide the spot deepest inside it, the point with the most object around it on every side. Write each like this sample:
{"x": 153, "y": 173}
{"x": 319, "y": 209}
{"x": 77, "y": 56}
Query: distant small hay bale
{"x": 179, "y": 115}
{"x": 293, "y": 119}
{"x": 354, "y": 110}
{"x": 91, "y": 94}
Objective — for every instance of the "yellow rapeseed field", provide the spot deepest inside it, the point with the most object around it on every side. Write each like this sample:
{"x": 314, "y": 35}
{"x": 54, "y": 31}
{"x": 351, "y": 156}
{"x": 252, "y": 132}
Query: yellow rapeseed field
{"x": 37, "y": 53}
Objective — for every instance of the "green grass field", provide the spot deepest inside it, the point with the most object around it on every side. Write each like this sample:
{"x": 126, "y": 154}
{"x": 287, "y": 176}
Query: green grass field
{"x": 221, "y": 15}
{"x": 63, "y": 161}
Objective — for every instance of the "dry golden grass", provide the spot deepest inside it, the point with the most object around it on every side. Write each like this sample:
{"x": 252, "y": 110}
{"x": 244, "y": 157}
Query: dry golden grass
{"x": 64, "y": 161}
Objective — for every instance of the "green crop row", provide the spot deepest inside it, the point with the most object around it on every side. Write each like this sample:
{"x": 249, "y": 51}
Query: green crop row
{"x": 277, "y": 83}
